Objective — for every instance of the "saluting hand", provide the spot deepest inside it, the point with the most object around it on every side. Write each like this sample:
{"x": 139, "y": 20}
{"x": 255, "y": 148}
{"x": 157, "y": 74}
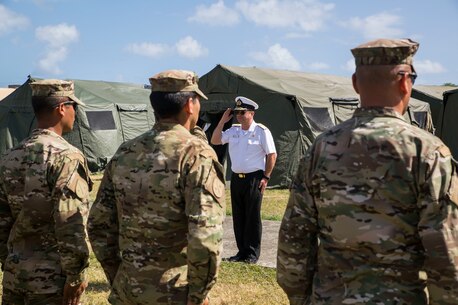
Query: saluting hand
{"x": 227, "y": 115}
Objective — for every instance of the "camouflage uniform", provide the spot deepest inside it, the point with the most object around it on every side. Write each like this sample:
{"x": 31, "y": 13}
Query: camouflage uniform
{"x": 156, "y": 225}
{"x": 43, "y": 212}
{"x": 200, "y": 133}
{"x": 374, "y": 203}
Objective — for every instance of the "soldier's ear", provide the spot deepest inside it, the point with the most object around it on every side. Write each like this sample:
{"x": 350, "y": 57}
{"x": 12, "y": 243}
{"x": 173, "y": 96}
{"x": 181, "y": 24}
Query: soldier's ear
{"x": 187, "y": 108}
{"x": 190, "y": 105}
{"x": 60, "y": 109}
{"x": 355, "y": 83}
{"x": 404, "y": 85}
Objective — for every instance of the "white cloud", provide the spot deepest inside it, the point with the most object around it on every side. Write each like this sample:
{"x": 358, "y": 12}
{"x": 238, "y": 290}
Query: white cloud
{"x": 148, "y": 49}
{"x": 277, "y": 57}
{"x": 307, "y": 15}
{"x": 215, "y": 14}
{"x": 10, "y": 21}
{"x": 57, "y": 35}
{"x": 57, "y": 39}
{"x": 50, "y": 61}
{"x": 318, "y": 66}
{"x": 428, "y": 67}
{"x": 383, "y": 24}
{"x": 187, "y": 47}
{"x": 190, "y": 48}
{"x": 349, "y": 65}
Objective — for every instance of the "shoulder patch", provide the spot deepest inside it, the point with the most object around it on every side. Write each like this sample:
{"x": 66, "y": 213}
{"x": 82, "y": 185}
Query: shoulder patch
{"x": 444, "y": 151}
{"x": 215, "y": 183}
{"x": 453, "y": 190}
{"x": 262, "y": 126}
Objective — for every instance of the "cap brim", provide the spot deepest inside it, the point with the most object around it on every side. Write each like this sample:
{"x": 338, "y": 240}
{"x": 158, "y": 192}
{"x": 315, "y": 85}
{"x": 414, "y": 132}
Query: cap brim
{"x": 201, "y": 94}
{"x": 76, "y": 100}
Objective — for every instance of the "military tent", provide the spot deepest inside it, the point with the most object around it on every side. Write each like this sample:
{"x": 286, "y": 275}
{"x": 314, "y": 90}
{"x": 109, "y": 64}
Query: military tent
{"x": 114, "y": 113}
{"x": 4, "y": 92}
{"x": 443, "y": 102}
{"x": 433, "y": 95}
{"x": 449, "y": 124}
{"x": 295, "y": 106}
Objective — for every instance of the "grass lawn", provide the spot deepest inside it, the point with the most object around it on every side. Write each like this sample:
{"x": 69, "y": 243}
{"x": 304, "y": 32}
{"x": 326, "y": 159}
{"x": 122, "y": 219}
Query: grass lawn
{"x": 238, "y": 284}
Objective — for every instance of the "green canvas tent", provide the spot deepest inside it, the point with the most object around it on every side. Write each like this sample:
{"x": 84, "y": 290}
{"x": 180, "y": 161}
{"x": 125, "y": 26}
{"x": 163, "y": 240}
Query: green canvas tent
{"x": 449, "y": 127}
{"x": 114, "y": 113}
{"x": 295, "y": 106}
{"x": 433, "y": 95}
{"x": 443, "y": 101}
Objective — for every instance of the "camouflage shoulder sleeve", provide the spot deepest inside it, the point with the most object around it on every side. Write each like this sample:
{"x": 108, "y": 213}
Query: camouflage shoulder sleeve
{"x": 205, "y": 208}
{"x": 70, "y": 173}
{"x": 438, "y": 205}
{"x": 103, "y": 226}
{"x": 198, "y": 132}
{"x": 71, "y": 189}
{"x": 297, "y": 241}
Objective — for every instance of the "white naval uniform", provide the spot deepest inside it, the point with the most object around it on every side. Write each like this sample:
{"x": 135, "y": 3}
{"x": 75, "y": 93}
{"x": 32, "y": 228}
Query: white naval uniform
{"x": 248, "y": 148}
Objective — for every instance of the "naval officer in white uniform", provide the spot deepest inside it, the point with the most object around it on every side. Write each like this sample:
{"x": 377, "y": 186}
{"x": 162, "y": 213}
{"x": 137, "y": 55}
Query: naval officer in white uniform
{"x": 253, "y": 155}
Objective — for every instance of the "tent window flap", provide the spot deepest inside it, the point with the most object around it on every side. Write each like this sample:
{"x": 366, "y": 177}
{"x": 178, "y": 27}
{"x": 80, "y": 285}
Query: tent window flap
{"x": 344, "y": 101}
{"x": 420, "y": 117}
{"x": 101, "y": 120}
{"x": 132, "y": 108}
{"x": 319, "y": 118}
{"x": 134, "y": 120}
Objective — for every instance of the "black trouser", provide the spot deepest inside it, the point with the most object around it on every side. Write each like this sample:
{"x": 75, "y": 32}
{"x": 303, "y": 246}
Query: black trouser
{"x": 246, "y": 201}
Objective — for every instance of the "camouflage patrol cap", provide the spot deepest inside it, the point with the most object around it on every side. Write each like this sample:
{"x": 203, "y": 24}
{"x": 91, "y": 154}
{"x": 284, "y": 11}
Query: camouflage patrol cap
{"x": 176, "y": 81}
{"x": 55, "y": 88}
{"x": 385, "y": 52}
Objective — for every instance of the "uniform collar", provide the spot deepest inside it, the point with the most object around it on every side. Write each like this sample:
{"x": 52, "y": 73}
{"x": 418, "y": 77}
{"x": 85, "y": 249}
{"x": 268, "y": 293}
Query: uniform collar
{"x": 164, "y": 126}
{"x": 43, "y": 131}
{"x": 378, "y": 112}
{"x": 251, "y": 128}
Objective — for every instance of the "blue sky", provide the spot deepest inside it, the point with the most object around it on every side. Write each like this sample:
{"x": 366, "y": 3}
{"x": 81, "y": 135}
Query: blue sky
{"x": 129, "y": 41}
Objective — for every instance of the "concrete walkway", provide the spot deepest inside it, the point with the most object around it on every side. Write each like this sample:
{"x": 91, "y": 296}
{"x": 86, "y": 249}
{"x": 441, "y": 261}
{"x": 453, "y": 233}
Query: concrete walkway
{"x": 269, "y": 242}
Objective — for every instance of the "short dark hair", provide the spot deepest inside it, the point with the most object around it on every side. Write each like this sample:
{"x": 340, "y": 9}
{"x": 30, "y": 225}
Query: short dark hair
{"x": 45, "y": 104}
{"x": 169, "y": 104}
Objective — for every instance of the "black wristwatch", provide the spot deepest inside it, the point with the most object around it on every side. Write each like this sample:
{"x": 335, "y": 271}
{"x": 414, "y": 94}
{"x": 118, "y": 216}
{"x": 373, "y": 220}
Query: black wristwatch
{"x": 265, "y": 177}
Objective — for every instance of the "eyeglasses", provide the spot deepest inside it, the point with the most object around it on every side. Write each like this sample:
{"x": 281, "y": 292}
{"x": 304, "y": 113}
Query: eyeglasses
{"x": 412, "y": 75}
{"x": 75, "y": 105}
{"x": 241, "y": 112}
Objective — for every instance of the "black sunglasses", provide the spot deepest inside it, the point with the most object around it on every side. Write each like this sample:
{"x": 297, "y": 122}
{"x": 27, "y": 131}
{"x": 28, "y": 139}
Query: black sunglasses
{"x": 241, "y": 112}
{"x": 75, "y": 105}
{"x": 412, "y": 75}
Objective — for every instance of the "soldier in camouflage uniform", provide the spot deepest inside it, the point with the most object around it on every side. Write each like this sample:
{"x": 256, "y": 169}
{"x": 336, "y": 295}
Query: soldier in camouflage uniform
{"x": 374, "y": 201}
{"x": 156, "y": 225}
{"x": 199, "y": 132}
{"x": 44, "y": 204}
